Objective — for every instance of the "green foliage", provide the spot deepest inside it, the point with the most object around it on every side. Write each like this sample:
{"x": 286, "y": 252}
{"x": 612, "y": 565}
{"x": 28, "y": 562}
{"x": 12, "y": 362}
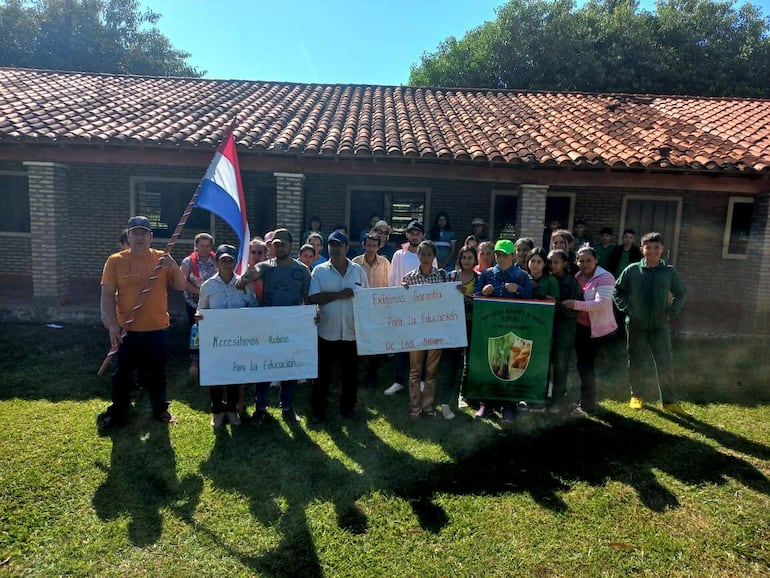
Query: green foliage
{"x": 114, "y": 36}
{"x": 698, "y": 47}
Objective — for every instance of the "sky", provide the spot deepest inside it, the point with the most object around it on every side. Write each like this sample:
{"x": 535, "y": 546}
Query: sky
{"x": 319, "y": 41}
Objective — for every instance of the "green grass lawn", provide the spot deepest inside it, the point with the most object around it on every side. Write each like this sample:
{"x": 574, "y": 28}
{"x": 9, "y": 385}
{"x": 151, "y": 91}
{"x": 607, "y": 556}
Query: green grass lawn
{"x": 624, "y": 493}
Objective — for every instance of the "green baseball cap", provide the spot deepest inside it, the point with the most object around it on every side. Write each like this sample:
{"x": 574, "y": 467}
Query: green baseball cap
{"x": 505, "y": 246}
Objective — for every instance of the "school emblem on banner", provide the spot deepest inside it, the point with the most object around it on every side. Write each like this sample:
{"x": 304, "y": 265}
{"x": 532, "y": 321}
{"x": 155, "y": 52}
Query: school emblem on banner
{"x": 510, "y": 350}
{"x": 509, "y": 356}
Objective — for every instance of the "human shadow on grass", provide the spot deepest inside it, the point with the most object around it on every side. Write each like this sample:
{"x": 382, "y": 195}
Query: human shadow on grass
{"x": 280, "y": 496}
{"x": 141, "y": 480}
{"x": 723, "y": 437}
{"x": 547, "y": 459}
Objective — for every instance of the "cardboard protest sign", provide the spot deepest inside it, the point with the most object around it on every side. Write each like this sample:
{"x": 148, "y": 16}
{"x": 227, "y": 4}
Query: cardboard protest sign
{"x": 257, "y": 344}
{"x": 510, "y": 350}
{"x": 394, "y": 319}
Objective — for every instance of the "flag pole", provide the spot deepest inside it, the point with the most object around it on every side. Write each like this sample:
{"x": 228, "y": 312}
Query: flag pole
{"x": 169, "y": 247}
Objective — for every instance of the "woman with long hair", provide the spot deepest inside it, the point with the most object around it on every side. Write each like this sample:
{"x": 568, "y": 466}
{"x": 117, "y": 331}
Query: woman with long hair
{"x": 595, "y": 322}
{"x": 444, "y": 237}
{"x": 456, "y": 360}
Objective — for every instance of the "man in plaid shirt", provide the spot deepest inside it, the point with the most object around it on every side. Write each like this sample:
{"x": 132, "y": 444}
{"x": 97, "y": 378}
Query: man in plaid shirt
{"x": 422, "y": 401}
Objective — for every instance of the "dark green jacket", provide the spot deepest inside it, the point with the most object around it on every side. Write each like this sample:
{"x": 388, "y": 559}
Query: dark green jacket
{"x": 568, "y": 289}
{"x": 649, "y": 296}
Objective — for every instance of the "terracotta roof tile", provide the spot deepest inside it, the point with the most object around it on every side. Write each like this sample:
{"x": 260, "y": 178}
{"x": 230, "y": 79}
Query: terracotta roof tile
{"x": 489, "y": 126}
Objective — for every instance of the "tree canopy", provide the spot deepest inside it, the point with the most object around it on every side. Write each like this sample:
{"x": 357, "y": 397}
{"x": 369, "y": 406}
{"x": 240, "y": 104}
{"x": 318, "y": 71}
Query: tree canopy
{"x": 698, "y": 47}
{"x": 113, "y": 36}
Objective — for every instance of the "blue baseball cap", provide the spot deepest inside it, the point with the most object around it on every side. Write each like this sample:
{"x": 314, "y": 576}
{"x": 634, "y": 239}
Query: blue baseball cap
{"x": 338, "y": 237}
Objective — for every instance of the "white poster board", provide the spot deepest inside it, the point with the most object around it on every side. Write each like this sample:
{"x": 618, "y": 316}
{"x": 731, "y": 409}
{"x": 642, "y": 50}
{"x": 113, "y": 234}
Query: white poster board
{"x": 394, "y": 319}
{"x": 258, "y": 344}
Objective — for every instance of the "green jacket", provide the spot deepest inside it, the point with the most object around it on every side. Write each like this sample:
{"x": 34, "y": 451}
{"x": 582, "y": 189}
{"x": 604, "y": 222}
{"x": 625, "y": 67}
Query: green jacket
{"x": 546, "y": 285}
{"x": 649, "y": 296}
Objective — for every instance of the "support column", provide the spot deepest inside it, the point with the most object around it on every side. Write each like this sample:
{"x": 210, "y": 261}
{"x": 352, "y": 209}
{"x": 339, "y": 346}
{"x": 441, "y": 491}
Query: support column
{"x": 757, "y": 311}
{"x": 49, "y": 226}
{"x": 289, "y": 203}
{"x": 532, "y": 211}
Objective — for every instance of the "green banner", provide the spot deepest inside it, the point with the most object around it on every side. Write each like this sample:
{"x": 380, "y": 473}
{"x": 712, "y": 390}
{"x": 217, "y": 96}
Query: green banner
{"x": 510, "y": 350}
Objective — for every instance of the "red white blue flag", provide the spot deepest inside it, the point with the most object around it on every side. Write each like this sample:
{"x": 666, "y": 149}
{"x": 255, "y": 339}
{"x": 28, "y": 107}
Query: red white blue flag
{"x": 221, "y": 192}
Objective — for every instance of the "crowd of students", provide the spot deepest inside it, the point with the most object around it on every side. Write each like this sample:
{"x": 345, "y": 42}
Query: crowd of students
{"x": 593, "y": 286}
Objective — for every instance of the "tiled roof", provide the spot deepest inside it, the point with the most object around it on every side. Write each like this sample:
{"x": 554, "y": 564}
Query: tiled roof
{"x": 357, "y": 121}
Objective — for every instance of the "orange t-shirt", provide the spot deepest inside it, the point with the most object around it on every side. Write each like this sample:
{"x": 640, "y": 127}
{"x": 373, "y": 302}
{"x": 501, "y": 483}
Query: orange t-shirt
{"x": 128, "y": 274}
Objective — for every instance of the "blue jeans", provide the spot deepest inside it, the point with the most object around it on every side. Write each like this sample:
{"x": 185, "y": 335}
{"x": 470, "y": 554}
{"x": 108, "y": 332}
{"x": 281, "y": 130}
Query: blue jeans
{"x": 262, "y": 390}
{"x": 145, "y": 352}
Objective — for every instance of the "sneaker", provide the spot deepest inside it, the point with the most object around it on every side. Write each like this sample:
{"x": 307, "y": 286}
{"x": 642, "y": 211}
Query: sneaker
{"x": 107, "y": 420}
{"x": 507, "y": 415}
{"x": 289, "y": 416}
{"x": 166, "y": 417}
{"x": 316, "y": 419}
{"x": 258, "y": 417}
{"x": 462, "y": 403}
{"x": 636, "y": 402}
{"x": 275, "y": 384}
{"x": 393, "y": 389}
{"x": 232, "y": 418}
{"x": 348, "y": 414}
{"x": 217, "y": 419}
{"x": 484, "y": 411}
{"x": 422, "y": 386}
{"x": 446, "y": 411}
{"x": 579, "y": 411}
{"x": 676, "y": 409}
{"x": 415, "y": 415}
{"x": 522, "y": 406}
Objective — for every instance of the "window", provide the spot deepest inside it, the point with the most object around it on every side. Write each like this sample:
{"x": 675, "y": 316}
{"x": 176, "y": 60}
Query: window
{"x": 740, "y": 211}
{"x": 14, "y": 196}
{"x": 504, "y": 215}
{"x": 164, "y": 202}
{"x": 397, "y": 206}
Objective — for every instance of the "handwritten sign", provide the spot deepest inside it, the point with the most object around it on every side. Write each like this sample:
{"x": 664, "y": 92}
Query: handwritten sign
{"x": 393, "y": 319}
{"x": 257, "y": 344}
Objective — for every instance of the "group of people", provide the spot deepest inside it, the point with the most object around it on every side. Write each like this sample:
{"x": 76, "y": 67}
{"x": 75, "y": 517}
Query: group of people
{"x": 589, "y": 284}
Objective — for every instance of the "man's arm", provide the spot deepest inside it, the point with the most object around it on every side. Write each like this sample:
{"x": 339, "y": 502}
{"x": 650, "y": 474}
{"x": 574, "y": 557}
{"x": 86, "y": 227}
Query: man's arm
{"x": 329, "y": 296}
{"x": 109, "y": 315}
{"x": 177, "y": 279}
{"x": 679, "y": 294}
{"x": 252, "y": 274}
{"x": 620, "y": 294}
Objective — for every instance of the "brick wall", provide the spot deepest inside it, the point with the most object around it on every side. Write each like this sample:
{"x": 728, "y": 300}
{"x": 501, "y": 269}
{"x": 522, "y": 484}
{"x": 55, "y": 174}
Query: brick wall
{"x": 289, "y": 195}
{"x": 718, "y": 289}
{"x": 48, "y": 189}
{"x": 531, "y": 209}
{"x": 722, "y": 292}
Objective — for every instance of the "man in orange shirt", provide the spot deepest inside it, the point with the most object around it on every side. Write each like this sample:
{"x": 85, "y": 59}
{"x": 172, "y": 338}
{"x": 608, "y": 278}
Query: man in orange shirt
{"x": 143, "y": 347}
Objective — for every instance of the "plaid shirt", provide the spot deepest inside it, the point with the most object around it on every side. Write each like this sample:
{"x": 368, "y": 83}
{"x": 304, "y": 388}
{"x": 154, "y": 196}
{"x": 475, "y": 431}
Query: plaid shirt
{"x": 417, "y": 278}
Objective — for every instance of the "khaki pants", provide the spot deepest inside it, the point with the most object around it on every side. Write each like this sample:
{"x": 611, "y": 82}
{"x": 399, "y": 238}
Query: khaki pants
{"x": 423, "y": 400}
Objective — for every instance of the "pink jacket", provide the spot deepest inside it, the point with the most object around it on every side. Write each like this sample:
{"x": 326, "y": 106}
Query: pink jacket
{"x": 597, "y": 301}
